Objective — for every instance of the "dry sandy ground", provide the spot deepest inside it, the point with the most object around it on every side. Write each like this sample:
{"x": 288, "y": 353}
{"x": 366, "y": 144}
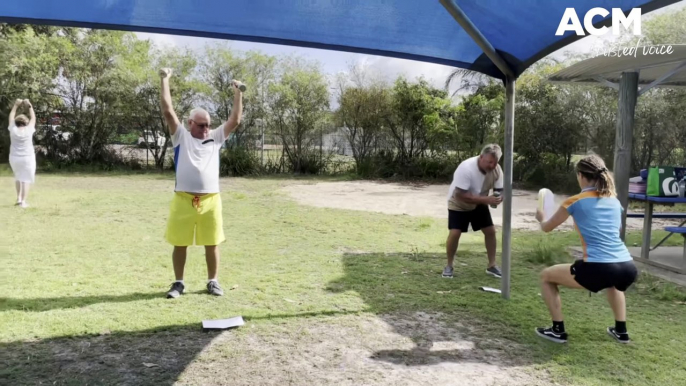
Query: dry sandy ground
{"x": 414, "y": 349}
{"x": 404, "y": 349}
{"x": 417, "y": 200}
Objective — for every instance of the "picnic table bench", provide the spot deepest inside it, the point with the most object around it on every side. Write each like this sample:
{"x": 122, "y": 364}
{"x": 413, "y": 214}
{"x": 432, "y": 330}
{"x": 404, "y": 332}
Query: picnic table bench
{"x": 648, "y": 216}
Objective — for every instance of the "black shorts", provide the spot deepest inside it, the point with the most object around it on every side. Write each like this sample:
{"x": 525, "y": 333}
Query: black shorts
{"x": 480, "y": 218}
{"x": 598, "y": 276}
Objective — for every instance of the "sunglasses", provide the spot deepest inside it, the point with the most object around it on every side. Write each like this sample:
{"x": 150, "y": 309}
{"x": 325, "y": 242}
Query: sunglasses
{"x": 201, "y": 125}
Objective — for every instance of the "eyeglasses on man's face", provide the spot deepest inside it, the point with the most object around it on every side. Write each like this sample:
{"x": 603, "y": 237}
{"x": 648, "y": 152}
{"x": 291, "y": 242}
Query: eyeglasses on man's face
{"x": 201, "y": 125}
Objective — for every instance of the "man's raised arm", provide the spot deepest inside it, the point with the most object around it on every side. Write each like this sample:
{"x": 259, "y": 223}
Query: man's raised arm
{"x": 236, "y": 113}
{"x": 166, "y": 102}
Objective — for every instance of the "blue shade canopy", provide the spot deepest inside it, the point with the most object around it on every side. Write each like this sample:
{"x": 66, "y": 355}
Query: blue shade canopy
{"x": 521, "y": 31}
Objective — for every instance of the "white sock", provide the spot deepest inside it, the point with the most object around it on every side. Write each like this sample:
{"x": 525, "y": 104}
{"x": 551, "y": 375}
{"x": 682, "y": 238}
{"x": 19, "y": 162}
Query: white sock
{"x": 179, "y": 281}
{"x": 214, "y": 280}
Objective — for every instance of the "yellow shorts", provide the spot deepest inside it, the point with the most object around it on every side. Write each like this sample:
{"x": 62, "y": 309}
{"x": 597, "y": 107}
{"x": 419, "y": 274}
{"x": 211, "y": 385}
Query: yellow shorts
{"x": 195, "y": 219}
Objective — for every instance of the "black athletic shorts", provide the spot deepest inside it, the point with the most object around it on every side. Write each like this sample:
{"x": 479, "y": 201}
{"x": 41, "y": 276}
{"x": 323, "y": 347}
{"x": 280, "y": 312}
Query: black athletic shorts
{"x": 480, "y": 218}
{"x": 598, "y": 276}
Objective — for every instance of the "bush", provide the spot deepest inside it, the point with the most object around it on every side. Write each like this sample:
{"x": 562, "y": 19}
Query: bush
{"x": 379, "y": 165}
{"x": 551, "y": 172}
{"x": 126, "y": 139}
{"x": 385, "y": 165}
{"x": 440, "y": 168}
{"x": 309, "y": 163}
{"x": 107, "y": 160}
{"x": 238, "y": 161}
{"x": 337, "y": 165}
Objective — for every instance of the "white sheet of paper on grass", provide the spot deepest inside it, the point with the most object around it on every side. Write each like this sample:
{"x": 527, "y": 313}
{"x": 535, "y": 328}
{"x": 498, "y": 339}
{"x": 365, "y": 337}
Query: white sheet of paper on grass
{"x": 546, "y": 203}
{"x": 221, "y": 324}
{"x": 490, "y": 289}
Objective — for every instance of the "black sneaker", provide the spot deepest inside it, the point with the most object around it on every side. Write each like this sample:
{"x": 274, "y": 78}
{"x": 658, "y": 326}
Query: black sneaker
{"x": 176, "y": 290}
{"x": 214, "y": 289}
{"x": 621, "y": 337}
{"x": 548, "y": 333}
{"x": 494, "y": 271}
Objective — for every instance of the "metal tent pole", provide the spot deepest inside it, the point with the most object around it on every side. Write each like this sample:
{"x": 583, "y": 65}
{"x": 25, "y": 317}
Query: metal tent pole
{"x": 506, "y": 255}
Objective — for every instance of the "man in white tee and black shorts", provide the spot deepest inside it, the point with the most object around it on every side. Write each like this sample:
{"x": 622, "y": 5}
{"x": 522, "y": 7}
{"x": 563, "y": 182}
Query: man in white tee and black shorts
{"x": 469, "y": 201}
{"x": 195, "y": 216}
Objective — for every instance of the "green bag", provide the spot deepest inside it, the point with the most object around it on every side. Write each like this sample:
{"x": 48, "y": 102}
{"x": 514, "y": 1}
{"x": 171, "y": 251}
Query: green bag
{"x": 662, "y": 182}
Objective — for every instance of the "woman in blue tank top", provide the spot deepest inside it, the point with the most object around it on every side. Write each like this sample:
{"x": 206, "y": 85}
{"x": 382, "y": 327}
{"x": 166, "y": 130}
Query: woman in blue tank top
{"x": 606, "y": 262}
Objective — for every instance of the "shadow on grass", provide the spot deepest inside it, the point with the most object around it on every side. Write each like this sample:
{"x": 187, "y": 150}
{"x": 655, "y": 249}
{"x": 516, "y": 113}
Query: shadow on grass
{"x": 46, "y": 304}
{"x": 156, "y": 356}
{"x": 408, "y": 293}
{"x": 453, "y": 321}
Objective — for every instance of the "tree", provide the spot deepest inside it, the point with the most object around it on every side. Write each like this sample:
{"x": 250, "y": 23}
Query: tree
{"x": 99, "y": 77}
{"x": 7, "y": 29}
{"x": 412, "y": 103}
{"x": 470, "y": 81}
{"x": 364, "y": 107}
{"x": 145, "y": 112}
{"x": 29, "y": 63}
{"x": 258, "y": 71}
{"x": 298, "y": 104}
{"x": 667, "y": 28}
{"x": 480, "y": 117}
{"x": 549, "y": 129}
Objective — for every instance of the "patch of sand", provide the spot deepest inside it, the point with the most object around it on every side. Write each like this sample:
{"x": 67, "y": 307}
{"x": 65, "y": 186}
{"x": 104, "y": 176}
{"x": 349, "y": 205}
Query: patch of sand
{"x": 414, "y": 200}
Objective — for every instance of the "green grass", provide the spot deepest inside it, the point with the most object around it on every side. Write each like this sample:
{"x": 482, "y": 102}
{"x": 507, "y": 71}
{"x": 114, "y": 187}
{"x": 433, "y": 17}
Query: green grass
{"x": 84, "y": 272}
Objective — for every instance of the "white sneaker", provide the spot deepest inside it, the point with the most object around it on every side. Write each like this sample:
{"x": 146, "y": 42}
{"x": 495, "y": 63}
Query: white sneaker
{"x": 24, "y": 204}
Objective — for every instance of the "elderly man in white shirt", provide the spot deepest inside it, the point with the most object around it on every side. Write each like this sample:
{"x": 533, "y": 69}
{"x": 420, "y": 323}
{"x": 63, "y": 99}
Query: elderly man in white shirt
{"x": 195, "y": 216}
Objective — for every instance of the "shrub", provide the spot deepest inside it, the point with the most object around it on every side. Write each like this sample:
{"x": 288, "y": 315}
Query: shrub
{"x": 238, "y": 161}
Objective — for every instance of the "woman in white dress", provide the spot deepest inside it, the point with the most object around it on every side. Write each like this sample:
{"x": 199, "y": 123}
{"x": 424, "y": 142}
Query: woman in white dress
{"x": 22, "y": 153}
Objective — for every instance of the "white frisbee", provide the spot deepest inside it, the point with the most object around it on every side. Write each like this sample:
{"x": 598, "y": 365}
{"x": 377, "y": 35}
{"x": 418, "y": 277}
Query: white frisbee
{"x": 546, "y": 203}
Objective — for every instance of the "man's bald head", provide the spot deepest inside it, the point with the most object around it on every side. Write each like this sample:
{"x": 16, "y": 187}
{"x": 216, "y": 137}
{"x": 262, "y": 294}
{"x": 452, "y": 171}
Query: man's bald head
{"x": 199, "y": 123}
{"x": 199, "y": 113}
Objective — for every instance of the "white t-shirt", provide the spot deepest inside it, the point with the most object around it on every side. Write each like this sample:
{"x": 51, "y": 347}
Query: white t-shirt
{"x": 22, "y": 141}
{"x": 197, "y": 160}
{"x": 468, "y": 177}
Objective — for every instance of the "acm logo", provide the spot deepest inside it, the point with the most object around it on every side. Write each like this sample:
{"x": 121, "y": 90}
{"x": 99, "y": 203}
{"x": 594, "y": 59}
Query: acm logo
{"x": 570, "y": 21}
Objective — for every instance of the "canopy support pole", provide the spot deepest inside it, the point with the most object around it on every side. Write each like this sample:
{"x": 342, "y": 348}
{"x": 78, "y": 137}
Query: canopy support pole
{"x": 507, "y": 178}
{"x": 628, "y": 94}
